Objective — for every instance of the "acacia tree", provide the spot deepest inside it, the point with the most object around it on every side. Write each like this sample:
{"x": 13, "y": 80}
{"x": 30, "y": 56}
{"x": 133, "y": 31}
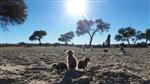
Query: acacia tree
{"x": 138, "y": 36}
{"x": 91, "y": 28}
{"x": 12, "y": 12}
{"x": 66, "y": 37}
{"x": 125, "y": 34}
{"x": 147, "y": 35}
{"x": 37, "y": 35}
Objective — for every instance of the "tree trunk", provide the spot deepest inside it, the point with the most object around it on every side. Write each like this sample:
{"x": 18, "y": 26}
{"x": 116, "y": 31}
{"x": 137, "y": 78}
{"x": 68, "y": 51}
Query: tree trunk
{"x": 91, "y": 39}
{"x": 146, "y": 41}
{"x": 135, "y": 41}
{"x": 90, "y": 43}
{"x": 128, "y": 41}
{"x": 39, "y": 41}
{"x": 66, "y": 43}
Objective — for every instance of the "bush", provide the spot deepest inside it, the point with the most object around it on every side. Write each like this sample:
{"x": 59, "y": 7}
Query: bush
{"x": 56, "y": 44}
{"x": 22, "y": 43}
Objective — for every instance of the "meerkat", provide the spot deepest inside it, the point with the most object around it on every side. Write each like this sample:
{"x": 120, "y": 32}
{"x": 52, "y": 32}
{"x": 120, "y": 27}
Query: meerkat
{"x": 71, "y": 59}
{"x": 122, "y": 50}
{"x": 83, "y": 64}
{"x": 60, "y": 67}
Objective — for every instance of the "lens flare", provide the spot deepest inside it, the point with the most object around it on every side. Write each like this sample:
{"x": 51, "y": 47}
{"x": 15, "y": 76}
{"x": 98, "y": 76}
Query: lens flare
{"x": 76, "y": 7}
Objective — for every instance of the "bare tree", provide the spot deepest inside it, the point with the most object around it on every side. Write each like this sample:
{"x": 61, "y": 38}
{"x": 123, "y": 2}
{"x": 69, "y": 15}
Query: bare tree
{"x": 37, "y": 35}
{"x": 66, "y": 37}
{"x": 12, "y": 12}
{"x": 91, "y": 28}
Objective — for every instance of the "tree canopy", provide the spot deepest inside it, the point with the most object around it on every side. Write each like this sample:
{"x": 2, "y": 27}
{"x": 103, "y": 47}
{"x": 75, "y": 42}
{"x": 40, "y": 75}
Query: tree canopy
{"x": 91, "y": 27}
{"x": 125, "y": 34}
{"x": 66, "y": 37}
{"x": 12, "y": 12}
{"x": 147, "y": 35}
{"x": 37, "y": 35}
{"x": 138, "y": 36}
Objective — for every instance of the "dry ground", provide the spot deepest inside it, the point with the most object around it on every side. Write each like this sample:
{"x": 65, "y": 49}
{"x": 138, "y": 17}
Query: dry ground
{"x": 32, "y": 65}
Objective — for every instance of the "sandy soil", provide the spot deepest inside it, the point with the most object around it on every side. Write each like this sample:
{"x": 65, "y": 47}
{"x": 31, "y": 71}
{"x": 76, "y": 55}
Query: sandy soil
{"x": 32, "y": 65}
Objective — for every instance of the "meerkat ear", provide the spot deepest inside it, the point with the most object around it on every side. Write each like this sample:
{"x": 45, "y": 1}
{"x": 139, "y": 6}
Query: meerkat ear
{"x": 66, "y": 50}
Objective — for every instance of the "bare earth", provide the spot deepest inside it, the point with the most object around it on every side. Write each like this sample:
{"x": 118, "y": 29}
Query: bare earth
{"x": 32, "y": 65}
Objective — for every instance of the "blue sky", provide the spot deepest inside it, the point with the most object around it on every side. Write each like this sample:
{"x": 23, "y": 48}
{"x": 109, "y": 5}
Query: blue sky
{"x": 51, "y": 16}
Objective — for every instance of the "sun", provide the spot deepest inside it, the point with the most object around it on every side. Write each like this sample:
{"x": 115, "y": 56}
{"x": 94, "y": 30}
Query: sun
{"x": 76, "y": 7}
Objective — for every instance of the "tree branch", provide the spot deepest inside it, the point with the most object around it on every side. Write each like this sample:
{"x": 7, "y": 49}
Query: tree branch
{"x": 94, "y": 32}
{"x": 89, "y": 34}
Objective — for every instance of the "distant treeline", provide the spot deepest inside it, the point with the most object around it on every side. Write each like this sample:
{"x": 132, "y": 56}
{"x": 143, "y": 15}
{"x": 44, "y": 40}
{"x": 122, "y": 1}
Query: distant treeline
{"x": 23, "y": 44}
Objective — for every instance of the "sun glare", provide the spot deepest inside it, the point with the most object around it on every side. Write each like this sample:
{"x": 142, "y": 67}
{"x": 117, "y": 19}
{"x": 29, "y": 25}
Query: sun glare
{"x": 76, "y": 7}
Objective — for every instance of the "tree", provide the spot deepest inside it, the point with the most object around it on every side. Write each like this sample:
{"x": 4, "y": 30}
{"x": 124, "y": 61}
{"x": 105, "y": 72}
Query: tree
{"x": 66, "y": 37}
{"x": 118, "y": 38}
{"x": 125, "y": 34}
{"x": 12, "y": 12}
{"x": 91, "y": 28}
{"x": 37, "y": 35}
{"x": 147, "y": 35}
{"x": 138, "y": 36}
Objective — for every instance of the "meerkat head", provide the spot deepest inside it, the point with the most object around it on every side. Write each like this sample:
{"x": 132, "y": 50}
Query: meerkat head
{"x": 54, "y": 65}
{"x": 69, "y": 52}
{"x": 86, "y": 59}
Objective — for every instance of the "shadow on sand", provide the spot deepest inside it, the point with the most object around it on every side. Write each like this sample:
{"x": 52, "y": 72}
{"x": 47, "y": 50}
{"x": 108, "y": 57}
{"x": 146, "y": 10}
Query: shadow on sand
{"x": 70, "y": 75}
{"x": 78, "y": 77}
{"x": 121, "y": 78}
{"x": 11, "y": 81}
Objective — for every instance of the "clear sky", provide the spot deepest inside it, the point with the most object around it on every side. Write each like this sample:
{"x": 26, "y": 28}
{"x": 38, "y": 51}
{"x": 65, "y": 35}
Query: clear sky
{"x": 51, "y": 16}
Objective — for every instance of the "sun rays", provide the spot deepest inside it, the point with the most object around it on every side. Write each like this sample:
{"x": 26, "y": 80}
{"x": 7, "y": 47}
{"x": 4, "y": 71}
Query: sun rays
{"x": 76, "y": 7}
